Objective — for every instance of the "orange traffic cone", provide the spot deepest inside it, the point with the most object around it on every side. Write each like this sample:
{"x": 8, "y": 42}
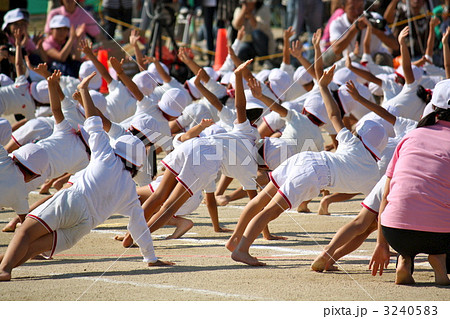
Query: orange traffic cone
{"x": 103, "y": 58}
{"x": 221, "y": 49}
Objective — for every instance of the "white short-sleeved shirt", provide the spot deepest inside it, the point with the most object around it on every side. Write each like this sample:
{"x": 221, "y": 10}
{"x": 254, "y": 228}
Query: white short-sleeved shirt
{"x": 193, "y": 115}
{"x": 66, "y": 151}
{"x": 352, "y": 167}
{"x": 339, "y": 26}
{"x": 16, "y": 99}
{"x": 306, "y": 133}
{"x": 406, "y": 104}
{"x": 120, "y": 104}
{"x": 68, "y": 85}
{"x": 373, "y": 200}
{"x": 34, "y": 130}
{"x": 390, "y": 88}
{"x": 108, "y": 188}
{"x": 72, "y": 113}
{"x": 13, "y": 193}
{"x": 159, "y": 91}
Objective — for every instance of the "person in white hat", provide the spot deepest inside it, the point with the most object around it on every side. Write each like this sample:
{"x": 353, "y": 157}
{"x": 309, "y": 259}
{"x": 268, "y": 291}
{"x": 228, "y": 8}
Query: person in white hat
{"x": 121, "y": 103}
{"x": 414, "y": 214}
{"x": 352, "y": 168}
{"x": 61, "y": 45}
{"x": 63, "y": 220}
{"x": 16, "y": 171}
{"x": 193, "y": 166}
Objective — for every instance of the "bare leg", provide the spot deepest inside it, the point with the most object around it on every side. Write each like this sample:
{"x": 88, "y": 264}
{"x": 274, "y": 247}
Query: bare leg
{"x": 45, "y": 188}
{"x": 344, "y": 236}
{"x": 303, "y": 208}
{"x": 438, "y": 262}
{"x": 403, "y": 274}
{"x": 223, "y": 184}
{"x": 11, "y": 226}
{"x": 333, "y": 198}
{"x": 11, "y": 146}
{"x": 241, "y": 254}
{"x": 182, "y": 226}
{"x": 250, "y": 211}
{"x": 18, "y": 248}
{"x": 60, "y": 181}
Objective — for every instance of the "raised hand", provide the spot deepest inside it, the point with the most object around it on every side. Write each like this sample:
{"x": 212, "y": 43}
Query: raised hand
{"x": 86, "y": 48}
{"x": 41, "y": 69}
{"x": 38, "y": 38}
{"x": 352, "y": 90}
{"x": 17, "y": 38}
{"x": 296, "y": 49}
{"x": 255, "y": 87}
{"x": 231, "y": 51}
{"x": 201, "y": 76}
{"x": 241, "y": 33}
{"x": 446, "y": 36}
{"x": 79, "y": 31}
{"x": 183, "y": 55}
{"x": 77, "y": 96}
{"x": 72, "y": 32}
{"x": 287, "y": 34}
{"x": 327, "y": 77}
{"x": 316, "y": 38}
{"x": 54, "y": 78}
{"x": 84, "y": 84}
{"x": 402, "y": 36}
{"x": 434, "y": 22}
{"x": 116, "y": 65}
{"x": 149, "y": 59}
{"x": 206, "y": 123}
{"x": 241, "y": 67}
{"x": 348, "y": 62}
{"x": 134, "y": 37}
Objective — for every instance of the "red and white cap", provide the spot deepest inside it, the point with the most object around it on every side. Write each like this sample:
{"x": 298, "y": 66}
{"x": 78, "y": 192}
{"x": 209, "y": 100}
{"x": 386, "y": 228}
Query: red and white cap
{"x": 145, "y": 82}
{"x": 147, "y": 125}
{"x": 173, "y": 102}
{"x": 33, "y": 157}
{"x": 59, "y": 21}
{"x": 263, "y": 75}
{"x": 373, "y": 136}
{"x": 417, "y": 72}
{"x": 5, "y": 131}
{"x": 13, "y": 16}
{"x": 155, "y": 75}
{"x": 190, "y": 86}
{"x": 252, "y": 102}
{"x": 302, "y": 76}
{"x": 279, "y": 82}
{"x": 211, "y": 73}
{"x": 131, "y": 149}
{"x": 86, "y": 68}
{"x": 441, "y": 95}
{"x": 5, "y": 80}
{"x": 225, "y": 80}
{"x": 314, "y": 105}
{"x": 343, "y": 75}
{"x": 39, "y": 91}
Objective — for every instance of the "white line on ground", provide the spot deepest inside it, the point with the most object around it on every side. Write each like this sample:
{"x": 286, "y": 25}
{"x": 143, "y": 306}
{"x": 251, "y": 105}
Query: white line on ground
{"x": 184, "y": 289}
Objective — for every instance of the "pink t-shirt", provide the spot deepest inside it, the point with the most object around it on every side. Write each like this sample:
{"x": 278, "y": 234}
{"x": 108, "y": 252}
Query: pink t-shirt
{"x": 77, "y": 18}
{"x": 419, "y": 197}
{"x": 326, "y": 32}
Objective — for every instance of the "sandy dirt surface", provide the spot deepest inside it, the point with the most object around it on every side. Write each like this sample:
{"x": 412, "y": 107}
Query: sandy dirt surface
{"x": 98, "y": 268}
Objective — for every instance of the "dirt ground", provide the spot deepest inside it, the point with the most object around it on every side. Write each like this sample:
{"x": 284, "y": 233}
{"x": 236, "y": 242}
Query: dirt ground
{"x": 99, "y": 269}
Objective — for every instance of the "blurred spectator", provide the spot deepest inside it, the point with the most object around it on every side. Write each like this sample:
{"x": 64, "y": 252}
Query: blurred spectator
{"x": 209, "y": 9}
{"x": 308, "y": 13}
{"x": 77, "y": 17}
{"x": 118, "y": 9}
{"x": 337, "y": 9}
{"x": 10, "y": 5}
{"x": 255, "y": 17}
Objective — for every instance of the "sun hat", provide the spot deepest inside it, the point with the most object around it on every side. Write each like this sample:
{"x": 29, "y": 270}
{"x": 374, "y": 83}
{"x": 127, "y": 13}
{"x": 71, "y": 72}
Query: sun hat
{"x": 417, "y": 72}
{"x": 33, "y": 157}
{"x": 13, "y": 16}
{"x": 314, "y": 105}
{"x": 373, "y": 136}
{"x": 173, "y": 102}
{"x": 86, "y": 68}
{"x": 263, "y": 75}
{"x": 211, "y": 73}
{"x": 131, "y": 149}
{"x": 39, "y": 91}
{"x": 252, "y": 102}
{"x": 59, "y": 21}
{"x": 146, "y": 125}
{"x": 145, "y": 82}
{"x": 5, "y": 80}
{"x": 343, "y": 75}
{"x": 441, "y": 95}
{"x": 279, "y": 82}
{"x": 302, "y": 76}
{"x": 154, "y": 72}
{"x": 189, "y": 85}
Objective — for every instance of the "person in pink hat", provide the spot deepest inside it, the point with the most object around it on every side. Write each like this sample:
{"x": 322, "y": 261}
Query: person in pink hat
{"x": 414, "y": 213}
{"x": 62, "y": 221}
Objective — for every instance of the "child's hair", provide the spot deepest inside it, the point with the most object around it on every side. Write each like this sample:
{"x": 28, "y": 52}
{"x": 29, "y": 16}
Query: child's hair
{"x": 253, "y": 114}
{"x": 24, "y": 169}
{"x": 140, "y": 136}
{"x": 423, "y": 94}
{"x": 133, "y": 169}
{"x": 437, "y": 114}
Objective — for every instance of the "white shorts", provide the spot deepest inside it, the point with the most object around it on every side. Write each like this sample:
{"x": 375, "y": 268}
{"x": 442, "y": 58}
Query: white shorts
{"x": 34, "y": 130}
{"x": 373, "y": 200}
{"x": 191, "y": 165}
{"x": 301, "y": 177}
{"x": 189, "y": 206}
{"x": 66, "y": 215}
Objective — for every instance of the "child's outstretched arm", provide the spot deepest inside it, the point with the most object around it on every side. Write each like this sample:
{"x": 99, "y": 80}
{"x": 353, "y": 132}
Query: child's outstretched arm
{"x": 255, "y": 87}
{"x": 214, "y": 100}
{"x": 334, "y": 114}
{"x": 196, "y": 130}
{"x": 20, "y": 66}
{"x": 43, "y": 71}
{"x": 162, "y": 73}
{"x": 183, "y": 54}
{"x": 55, "y": 101}
{"x": 133, "y": 39}
{"x": 117, "y": 66}
{"x": 246, "y": 74}
{"x": 366, "y": 75}
{"x": 240, "y": 101}
{"x": 296, "y": 51}
{"x": 377, "y": 109}
{"x": 406, "y": 58}
{"x": 446, "y": 49}
{"x": 287, "y": 34}
{"x": 318, "y": 62}
{"x": 86, "y": 48}
{"x": 434, "y": 22}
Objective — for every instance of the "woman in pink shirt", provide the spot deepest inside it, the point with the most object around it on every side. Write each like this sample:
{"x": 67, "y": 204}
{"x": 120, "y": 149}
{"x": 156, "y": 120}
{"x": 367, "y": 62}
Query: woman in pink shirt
{"x": 416, "y": 200}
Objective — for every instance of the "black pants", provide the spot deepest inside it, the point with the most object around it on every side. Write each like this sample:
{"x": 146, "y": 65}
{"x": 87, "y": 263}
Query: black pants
{"x": 121, "y": 14}
{"x": 412, "y": 242}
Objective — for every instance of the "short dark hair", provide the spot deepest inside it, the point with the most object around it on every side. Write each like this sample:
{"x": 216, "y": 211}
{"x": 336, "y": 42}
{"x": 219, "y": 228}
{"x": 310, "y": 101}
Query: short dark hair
{"x": 253, "y": 114}
{"x": 133, "y": 169}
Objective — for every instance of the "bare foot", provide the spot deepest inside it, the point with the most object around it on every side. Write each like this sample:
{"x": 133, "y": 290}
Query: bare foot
{"x": 403, "y": 274}
{"x": 127, "y": 241}
{"x": 275, "y": 237}
{"x": 303, "y": 208}
{"x": 183, "y": 225}
{"x": 45, "y": 188}
{"x": 11, "y": 226}
{"x": 223, "y": 230}
{"x": 5, "y": 276}
{"x": 329, "y": 147}
{"x": 323, "y": 208}
{"x": 319, "y": 264}
{"x": 222, "y": 200}
{"x": 232, "y": 243}
{"x": 246, "y": 258}
{"x": 119, "y": 237}
{"x": 161, "y": 263}
{"x": 438, "y": 262}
